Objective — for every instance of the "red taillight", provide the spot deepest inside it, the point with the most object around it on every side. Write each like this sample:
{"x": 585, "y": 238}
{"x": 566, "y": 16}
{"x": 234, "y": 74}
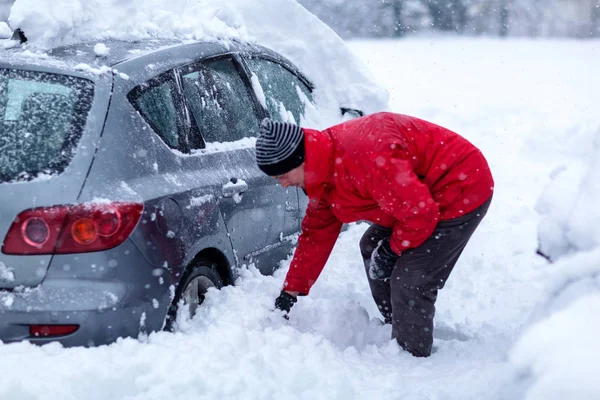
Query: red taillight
{"x": 72, "y": 228}
{"x": 51, "y": 330}
{"x": 84, "y": 231}
{"x": 35, "y": 231}
{"x": 107, "y": 221}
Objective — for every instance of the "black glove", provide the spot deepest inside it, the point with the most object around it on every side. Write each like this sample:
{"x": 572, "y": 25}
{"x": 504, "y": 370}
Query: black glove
{"x": 285, "y": 302}
{"x": 383, "y": 261}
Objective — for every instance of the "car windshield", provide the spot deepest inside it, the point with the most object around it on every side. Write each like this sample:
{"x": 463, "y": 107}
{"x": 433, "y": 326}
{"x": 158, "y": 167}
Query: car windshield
{"x": 41, "y": 120}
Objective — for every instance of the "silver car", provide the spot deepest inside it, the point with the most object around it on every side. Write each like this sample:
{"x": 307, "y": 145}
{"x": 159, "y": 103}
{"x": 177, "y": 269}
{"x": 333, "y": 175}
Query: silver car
{"x": 128, "y": 185}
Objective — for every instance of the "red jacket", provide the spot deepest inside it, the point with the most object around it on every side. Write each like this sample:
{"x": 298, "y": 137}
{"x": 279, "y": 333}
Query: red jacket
{"x": 390, "y": 169}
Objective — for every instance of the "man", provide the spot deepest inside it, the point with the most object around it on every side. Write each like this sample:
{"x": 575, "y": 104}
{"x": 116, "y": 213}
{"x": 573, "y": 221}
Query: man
{"x": 424, "y": 188}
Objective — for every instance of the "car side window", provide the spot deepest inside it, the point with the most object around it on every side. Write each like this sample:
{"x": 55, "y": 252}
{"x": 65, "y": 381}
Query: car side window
{"x": 157, "y": 105}
{"x": 285, "y": 94}
{"x": 219, "y": 101}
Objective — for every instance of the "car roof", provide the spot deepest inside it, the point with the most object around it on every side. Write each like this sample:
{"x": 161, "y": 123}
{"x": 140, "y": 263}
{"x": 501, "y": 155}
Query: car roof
{"x": 84, "y": 53}
{"x": 121, "y": 52}
{"x": 118, "y": 51}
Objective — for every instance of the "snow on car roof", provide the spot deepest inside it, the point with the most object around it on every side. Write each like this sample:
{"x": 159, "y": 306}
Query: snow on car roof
{"x": 285, "y": 26}
{"x": 67, "y": 56}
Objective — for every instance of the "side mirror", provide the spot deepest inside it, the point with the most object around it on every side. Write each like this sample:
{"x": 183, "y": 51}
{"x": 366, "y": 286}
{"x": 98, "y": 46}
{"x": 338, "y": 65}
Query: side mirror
{"x": 19, "y": 36}
{"x": 351, "y": 113}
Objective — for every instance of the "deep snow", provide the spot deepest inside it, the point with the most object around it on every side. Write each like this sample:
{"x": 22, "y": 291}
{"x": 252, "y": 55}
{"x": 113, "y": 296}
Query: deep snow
{"x": 528, "y": 105}
{"x": 509, "y": 325}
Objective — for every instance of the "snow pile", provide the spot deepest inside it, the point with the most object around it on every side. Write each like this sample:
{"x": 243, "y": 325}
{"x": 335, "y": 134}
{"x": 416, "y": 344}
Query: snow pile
{"x": 6, "y": 274}
{"x": 556, "y": 357}
{"x": 570, "y": 203}
{"x": 282, "y": 25}
{"x": 584, "y": 223}
{"x": 101, "y": 50}
{"x": 564, "y": 362}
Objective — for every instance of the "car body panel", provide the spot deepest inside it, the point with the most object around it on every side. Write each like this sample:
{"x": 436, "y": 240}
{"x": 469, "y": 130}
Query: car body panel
{"x": 108, "y": 299}
{"x": 63, "y": 188}
{"x": 257, "y": 217}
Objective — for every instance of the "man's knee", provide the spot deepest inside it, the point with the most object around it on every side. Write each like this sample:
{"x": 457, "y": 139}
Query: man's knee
{"x": 370, "y": 239}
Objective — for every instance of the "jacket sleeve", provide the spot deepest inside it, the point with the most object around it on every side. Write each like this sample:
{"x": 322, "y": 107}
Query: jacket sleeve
{"x": 320, "y": 230}
{"x": 401, "y": 194}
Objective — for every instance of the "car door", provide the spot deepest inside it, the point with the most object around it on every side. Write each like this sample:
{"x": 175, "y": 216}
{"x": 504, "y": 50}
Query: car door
{"x": 159, "y": 102}
{"x": 287, "y": 96}
{"x": 226, "y": 117}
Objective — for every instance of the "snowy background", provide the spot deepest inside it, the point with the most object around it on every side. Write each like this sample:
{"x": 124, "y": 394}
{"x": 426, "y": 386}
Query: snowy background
{"x": 509, "y": 324}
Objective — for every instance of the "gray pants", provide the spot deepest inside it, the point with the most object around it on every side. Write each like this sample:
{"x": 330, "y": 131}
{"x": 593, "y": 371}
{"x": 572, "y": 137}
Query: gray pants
{"x": 407, "y": 299}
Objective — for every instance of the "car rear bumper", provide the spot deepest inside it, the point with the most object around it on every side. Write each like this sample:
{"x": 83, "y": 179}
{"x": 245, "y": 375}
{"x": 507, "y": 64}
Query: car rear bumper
{"x": 103, "y": 313}
{"x": 94, "y": 328}
{"x": 122, "y": 302}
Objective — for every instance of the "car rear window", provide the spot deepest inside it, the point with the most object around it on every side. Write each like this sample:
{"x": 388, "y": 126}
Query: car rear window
{"x": 41, "y": 120}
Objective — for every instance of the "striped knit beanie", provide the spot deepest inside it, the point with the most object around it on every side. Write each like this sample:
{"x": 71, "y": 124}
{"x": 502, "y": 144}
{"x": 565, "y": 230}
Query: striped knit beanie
{"x": 279, "y": 147}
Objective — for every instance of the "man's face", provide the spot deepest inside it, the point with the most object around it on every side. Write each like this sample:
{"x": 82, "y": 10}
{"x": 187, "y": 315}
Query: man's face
{"x": 294, "y": 177}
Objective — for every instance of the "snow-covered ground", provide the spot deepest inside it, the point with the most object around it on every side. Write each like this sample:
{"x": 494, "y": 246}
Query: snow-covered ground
{"x": 531, "y": 106}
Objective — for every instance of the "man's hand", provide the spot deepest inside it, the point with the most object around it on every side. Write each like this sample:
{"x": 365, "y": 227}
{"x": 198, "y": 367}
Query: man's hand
{"x": 285, "y": 302}
{"x": 383, "y": 261}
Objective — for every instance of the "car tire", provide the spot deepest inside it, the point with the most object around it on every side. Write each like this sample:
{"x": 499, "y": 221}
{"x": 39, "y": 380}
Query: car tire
{"x": 191, "y": 291}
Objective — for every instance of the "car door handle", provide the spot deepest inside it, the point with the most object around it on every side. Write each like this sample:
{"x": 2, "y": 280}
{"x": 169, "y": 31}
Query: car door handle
{"x": 233, "y": 187}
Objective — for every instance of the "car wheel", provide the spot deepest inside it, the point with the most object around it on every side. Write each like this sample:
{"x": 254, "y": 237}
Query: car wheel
{"x": 190, "y": 293}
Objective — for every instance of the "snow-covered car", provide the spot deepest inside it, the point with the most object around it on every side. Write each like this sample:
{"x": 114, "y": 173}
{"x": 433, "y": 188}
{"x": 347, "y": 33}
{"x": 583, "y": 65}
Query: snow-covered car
{"x": 128, "y": 184}
{"x": 569, "y": 206}
{"x": 555, "y": 356}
